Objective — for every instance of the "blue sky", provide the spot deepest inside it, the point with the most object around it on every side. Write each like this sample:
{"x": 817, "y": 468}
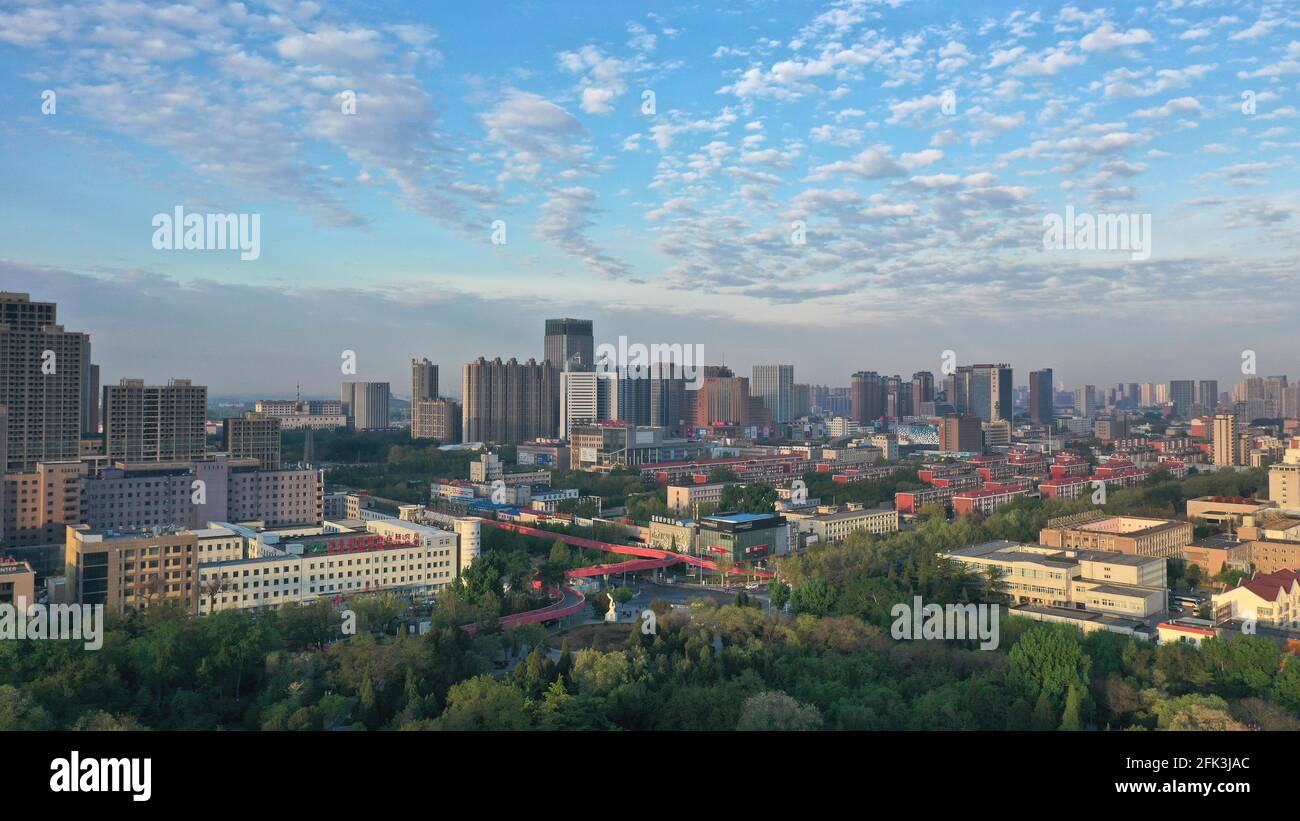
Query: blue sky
{"x": 919, "y": 144}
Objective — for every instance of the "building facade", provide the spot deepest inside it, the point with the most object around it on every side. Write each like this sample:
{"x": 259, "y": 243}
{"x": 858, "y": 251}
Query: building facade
{"x": 155, "y": 423}
{"x": 43, "y": 370}
{"x": 366, "y": 405}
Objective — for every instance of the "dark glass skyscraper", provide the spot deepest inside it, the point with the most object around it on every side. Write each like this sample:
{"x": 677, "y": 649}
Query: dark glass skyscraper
{"x": 567, "y": 338}
{"x": 1040, "y": 396}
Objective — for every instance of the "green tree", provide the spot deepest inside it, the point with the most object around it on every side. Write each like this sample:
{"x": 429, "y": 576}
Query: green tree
{"x": 815, "y": 597}
{"x": 1195, "y": 712}
{"x": 1048, "y": 659}
{"x": 1070, "y": 718}
{"x": 483, "y": 703}
{"x": 775, "y": 710}
{"x": 19, "y": 711}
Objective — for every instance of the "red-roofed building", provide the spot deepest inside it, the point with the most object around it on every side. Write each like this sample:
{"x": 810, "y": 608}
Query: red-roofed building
{"x": 910, "y": 501}
{"x": 989, "y": 498}
{"x": 1069, "y": 487}
{"x": 1184, "y": 631}
{"x": 1272, "y": 598}
{"x": 1066, "y": 464}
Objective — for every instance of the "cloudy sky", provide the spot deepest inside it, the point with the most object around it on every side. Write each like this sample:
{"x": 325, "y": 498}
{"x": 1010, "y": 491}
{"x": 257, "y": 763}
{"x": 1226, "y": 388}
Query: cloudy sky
{"x": 656, "y": 171}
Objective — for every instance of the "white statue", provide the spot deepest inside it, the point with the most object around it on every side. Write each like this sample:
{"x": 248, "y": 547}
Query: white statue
{"x": 612, "y": 615}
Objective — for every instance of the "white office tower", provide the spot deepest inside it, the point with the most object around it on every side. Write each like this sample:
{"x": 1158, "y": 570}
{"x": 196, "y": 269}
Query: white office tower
{"x": 579, "y": 392}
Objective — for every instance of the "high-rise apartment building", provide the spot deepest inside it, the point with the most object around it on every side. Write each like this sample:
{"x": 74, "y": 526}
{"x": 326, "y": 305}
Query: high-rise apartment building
{"x": 424, "y": 380}
{"x": 254, "y": 436}
{"x": 436, "y": 419}
{"x": 1207, "y": 395}
{"x": 922, "y": 390}
{"x": 1040, "y": 397}
{"x": 803, "y": 401}
{"x": 723, "y": 398}
{"x": 898, "y": 397}
{"x": 510, "y": 402}
{"x": 1182, "y": 392}
{"x": 867, "y": 392}
{"x": 961, "y": 433}
{"x": 424, "y": 389}
{"x": 957, "y": 386}
{"x": 568, "y": 339}
{"x": 155, "y": 423}
{"x": 774, "y": 386}
{"x": 89, "y": 393}
{"x": 672, "y": 404}
{"x": 1290, "y": 406}
{"x": 42, "y": 382}
{"x": 627, "y": 396}
{"x": 366, "y": 404}
{"x": 1226, "y": 440}
{"x": 1085, "y": 400}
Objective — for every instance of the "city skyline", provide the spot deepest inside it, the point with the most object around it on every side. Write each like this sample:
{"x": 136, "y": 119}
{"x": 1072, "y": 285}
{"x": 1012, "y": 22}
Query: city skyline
{"x": 920, "y": 160}
{"x": 398, "y": 374}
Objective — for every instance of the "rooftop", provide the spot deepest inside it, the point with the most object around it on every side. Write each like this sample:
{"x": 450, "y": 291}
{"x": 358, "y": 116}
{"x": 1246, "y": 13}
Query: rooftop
{"x": 740, "y": 517}
{"x": 851, "y": 514}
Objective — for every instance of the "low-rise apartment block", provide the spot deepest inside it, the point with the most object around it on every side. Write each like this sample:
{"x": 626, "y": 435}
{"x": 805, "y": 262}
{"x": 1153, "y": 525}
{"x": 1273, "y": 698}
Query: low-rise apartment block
{"x": 989, "y": 497}
{"x": 685, "y": 497}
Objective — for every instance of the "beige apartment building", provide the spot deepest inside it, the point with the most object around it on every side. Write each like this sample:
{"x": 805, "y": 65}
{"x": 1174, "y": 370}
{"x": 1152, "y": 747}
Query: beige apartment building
{"x": 684, "y": 498}
{"x": 40, "y": 504}
{"x": 1136, "y": 535}
{"x": 1284, "y": 478}
{"x": 436, "y": 419}
{"x": 254, "y": 436}
{"x": 155, "y": 423}
{"x": 1227, "y": 441}
{"x": 44, "y": 375}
